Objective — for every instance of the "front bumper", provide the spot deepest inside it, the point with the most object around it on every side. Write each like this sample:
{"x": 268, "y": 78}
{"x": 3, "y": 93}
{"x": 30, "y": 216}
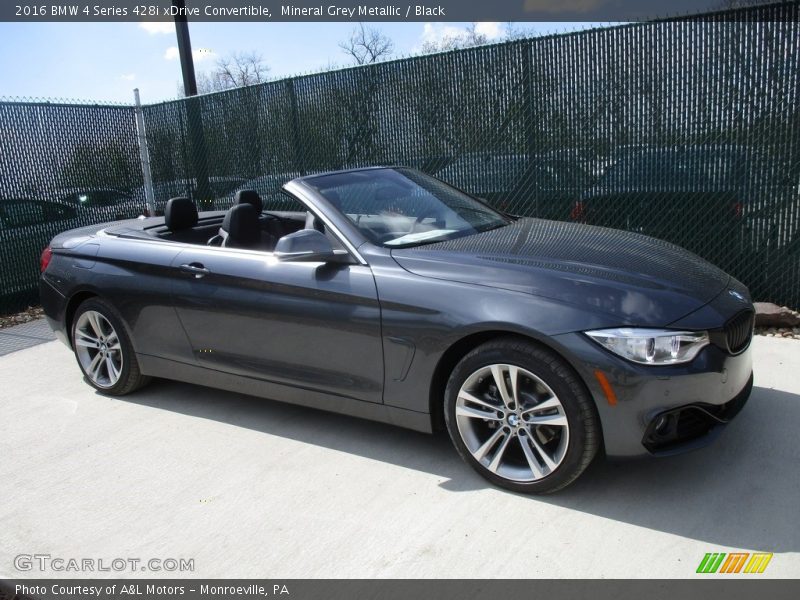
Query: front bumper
{"x": 696, "y": 399}
{"x": 692, "y": 426}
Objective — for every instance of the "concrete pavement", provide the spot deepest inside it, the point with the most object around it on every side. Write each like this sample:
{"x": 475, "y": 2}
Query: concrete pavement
{"x": 252, "y": 488}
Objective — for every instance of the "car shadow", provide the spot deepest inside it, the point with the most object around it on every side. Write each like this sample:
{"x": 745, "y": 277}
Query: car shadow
{"x": 743, "y": 491}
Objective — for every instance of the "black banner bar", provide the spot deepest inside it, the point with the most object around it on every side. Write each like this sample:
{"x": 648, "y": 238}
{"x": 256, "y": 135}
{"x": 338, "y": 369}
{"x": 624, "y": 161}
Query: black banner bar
{"x": 352, "y": 10}
{"x": 398, "y": 589}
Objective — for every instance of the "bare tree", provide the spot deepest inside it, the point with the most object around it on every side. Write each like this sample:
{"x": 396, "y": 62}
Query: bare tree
{"x": 732, "y": 4}
{"x": 469, "y": 37}
{"x": 241, "y": 69}
{"x": 237, "y": 70}
{"x": 367, "y": 45}
{"x": 513, "y": 31}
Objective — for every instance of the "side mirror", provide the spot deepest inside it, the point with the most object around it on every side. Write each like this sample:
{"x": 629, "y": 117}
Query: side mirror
{"x": 307, "y": 245}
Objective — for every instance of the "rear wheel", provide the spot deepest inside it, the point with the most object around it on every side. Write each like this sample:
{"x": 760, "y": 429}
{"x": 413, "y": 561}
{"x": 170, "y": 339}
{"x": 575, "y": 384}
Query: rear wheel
{"x": 518, "y": 414}
{"x": 103, "y": 349}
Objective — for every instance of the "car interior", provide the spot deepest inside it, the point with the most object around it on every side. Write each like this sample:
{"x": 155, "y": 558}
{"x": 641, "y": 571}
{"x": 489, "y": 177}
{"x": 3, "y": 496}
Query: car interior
{"x": 386, "y": 214}
{"x": 245, "y": 225}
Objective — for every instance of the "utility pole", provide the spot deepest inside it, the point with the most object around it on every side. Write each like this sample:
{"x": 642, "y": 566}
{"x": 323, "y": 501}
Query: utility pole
{"x": 185, "y": 48}
{"x": 194, "y": 116}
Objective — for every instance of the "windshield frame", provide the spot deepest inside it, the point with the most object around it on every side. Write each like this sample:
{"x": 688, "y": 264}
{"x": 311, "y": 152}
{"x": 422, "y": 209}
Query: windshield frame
{"x": 346, "y": 223}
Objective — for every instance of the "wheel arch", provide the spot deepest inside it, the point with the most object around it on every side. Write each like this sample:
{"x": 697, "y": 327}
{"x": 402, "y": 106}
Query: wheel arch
{"x": 79, "y": 297}
{"x": 463, "y": 346}
{"x": 130, "y": 377}
{"x": 75, "y": 300}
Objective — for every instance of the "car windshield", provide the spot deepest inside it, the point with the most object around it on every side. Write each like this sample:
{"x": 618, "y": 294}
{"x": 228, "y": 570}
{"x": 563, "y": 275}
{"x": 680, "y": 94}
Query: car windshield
{"x": 399, "y": 208}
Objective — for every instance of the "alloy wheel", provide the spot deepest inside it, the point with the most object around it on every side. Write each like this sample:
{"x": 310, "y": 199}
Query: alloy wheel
{"x": 512, "y": 423}
{"x": 98, "y": 348}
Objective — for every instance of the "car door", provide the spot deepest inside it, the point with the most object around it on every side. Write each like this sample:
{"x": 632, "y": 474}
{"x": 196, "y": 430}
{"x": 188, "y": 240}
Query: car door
{"x": 309, "y": 325}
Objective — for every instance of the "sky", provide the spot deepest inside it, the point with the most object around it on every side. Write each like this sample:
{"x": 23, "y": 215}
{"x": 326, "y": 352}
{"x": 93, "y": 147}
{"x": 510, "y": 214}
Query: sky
{"x": 105, "y": 61}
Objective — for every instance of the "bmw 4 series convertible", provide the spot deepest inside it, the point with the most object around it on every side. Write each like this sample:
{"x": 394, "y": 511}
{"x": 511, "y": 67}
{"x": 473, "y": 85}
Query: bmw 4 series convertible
{"x": 389, "y": 295}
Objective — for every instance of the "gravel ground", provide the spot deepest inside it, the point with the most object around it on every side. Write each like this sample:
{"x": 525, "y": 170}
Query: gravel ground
{"x": 779, "y": 332}
{"x": 784, "y": 332}
{"x": 26, "y": 316}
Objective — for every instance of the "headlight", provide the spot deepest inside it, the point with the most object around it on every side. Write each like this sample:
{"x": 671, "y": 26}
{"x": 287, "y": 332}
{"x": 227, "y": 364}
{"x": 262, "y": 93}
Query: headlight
{"x": 651, "y": 346}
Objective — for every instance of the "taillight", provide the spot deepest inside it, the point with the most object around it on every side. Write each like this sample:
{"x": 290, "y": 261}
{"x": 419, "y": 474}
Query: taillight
{"x": 44, "y": 260}
{"x": 738, "y": 209}
{"x": 578, "y": 211}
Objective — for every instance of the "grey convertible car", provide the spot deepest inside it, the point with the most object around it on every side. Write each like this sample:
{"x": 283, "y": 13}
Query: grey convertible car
{"x": 390, "y": 295}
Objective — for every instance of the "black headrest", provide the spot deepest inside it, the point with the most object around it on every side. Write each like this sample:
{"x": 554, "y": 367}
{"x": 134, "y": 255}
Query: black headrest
{"x": 250, "y": 197}
{"x": 180, "y": 213}
{"x": 242, "y": 226}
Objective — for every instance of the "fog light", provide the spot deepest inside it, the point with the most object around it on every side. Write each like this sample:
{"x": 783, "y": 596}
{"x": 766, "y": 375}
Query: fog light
{"x": 661, "y": 424}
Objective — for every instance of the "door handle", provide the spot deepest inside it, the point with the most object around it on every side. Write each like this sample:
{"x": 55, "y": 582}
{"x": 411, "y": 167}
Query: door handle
{"x": 196, "y": 269}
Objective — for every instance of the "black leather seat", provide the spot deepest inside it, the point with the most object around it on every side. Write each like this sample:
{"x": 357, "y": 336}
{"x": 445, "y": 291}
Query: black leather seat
{"x": 270, "y": 224}
{"x": 180, "y": 214}
{"x": 250, "y": 197}
{"x": 180, "y": 217}
{"x": 241, "y": 228}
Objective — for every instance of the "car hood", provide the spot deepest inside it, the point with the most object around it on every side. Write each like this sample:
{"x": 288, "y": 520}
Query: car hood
{"x": 641, "y": 280}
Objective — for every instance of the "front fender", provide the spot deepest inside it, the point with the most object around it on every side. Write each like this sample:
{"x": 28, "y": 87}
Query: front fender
{"x": 422, "y": 318}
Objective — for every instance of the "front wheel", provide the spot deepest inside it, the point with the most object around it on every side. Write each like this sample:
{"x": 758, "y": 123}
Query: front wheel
{"x": 103, "y": 349}
{"x": 518, "y": 414}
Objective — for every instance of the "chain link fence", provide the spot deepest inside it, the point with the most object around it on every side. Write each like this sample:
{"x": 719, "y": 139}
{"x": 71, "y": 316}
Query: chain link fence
{"x": 687, "y": 130}
{"x": 61, "y": 166}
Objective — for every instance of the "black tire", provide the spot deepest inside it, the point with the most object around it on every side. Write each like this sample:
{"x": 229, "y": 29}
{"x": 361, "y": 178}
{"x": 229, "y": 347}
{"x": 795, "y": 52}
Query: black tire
{"x": 582, "y": 438}
{"x": 130, "y": 377}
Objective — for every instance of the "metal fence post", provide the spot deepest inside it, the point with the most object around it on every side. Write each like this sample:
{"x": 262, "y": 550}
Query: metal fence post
{"x": 296, "y": 137}
{"x": 144, "y": 154}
